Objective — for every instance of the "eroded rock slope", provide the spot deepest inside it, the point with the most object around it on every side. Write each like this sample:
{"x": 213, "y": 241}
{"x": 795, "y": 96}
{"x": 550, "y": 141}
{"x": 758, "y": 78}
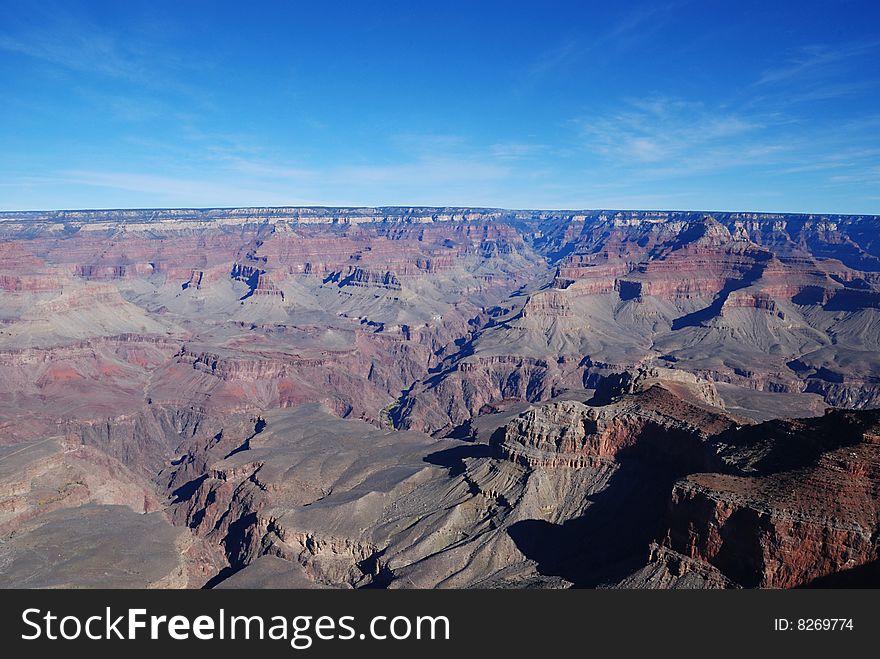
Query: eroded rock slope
{"x": 438, "y": 397}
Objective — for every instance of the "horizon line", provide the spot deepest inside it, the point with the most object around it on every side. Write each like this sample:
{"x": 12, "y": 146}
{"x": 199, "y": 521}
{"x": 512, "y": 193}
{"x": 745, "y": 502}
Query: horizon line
{"x": 404, "y": 207}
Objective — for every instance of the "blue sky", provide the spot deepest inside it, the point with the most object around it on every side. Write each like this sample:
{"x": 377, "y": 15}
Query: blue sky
{"x": 713, "y": 105}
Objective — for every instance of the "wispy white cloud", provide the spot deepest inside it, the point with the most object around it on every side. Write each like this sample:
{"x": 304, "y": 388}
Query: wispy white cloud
{"x": 646, "y": 145}
{"x": 243, "y": 180}
{"x": 73, "y": 42}
{"x": 816, "y": 60}
{"x": 77, "y": 46}
{"x": 665, "y": 130}
{"x": 864, "y": 175}
{"x": 832, "y": 90}
{"x": 631, "y": 28}
{"x": 638, "y": 22}
{"x": 185, "y": 190}
{"x": 555, "y": 58}
{"x": 515, "y": 150}
{"x": 424, "y": 143}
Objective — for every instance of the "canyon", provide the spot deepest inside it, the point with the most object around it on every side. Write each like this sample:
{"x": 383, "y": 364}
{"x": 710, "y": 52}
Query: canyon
{"x": 439, "y": 397}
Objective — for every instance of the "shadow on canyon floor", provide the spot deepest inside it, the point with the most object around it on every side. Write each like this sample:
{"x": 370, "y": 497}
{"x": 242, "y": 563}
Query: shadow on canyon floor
{"x": 863, "y": 576}
{"x": 453, "y": 458}
{"x": 701, "y": 316}
{"x": 610, "y": 540}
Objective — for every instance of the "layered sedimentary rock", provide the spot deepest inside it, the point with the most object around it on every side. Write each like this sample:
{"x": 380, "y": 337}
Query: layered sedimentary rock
{"x": 198, "y": 364}
{"x": 573, "y": 434}
{"x": 343, "y": 503}
{"x": 667, "y": 569}
{"x": 794, "y": 502}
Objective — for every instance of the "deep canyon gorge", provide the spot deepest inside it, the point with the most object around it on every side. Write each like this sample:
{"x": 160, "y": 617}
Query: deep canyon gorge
{"x": 439, "y": 397}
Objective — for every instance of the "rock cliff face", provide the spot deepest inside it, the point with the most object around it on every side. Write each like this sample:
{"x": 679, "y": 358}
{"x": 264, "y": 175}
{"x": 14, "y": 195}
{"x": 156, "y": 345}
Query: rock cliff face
{"x": 654, "y": 422}
{"x": 781, "y": 504}
{"x": 794, "y": 502}
{"x": 443, "y": 396}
